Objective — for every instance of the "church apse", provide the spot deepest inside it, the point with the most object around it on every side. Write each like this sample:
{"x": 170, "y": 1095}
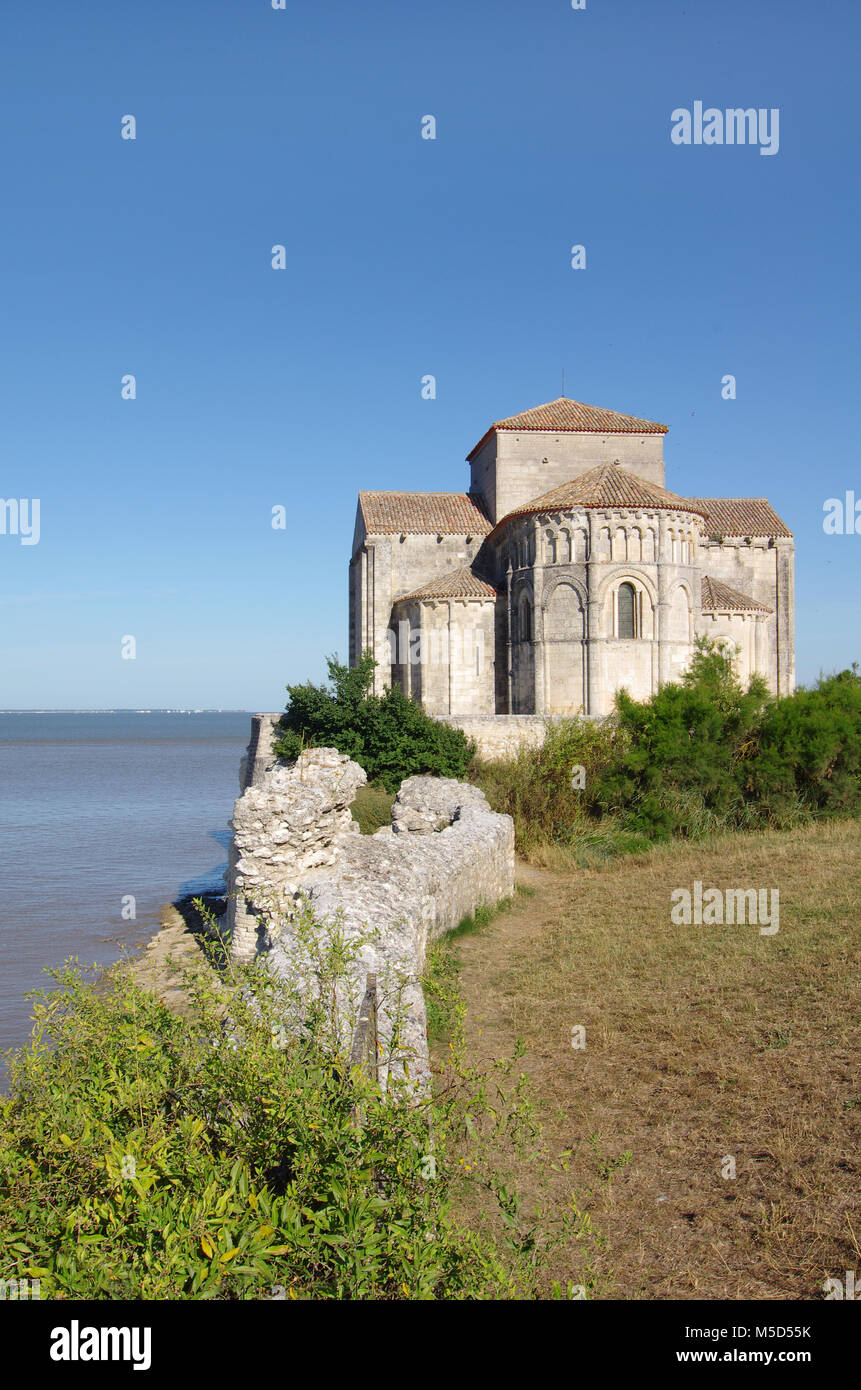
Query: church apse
{"x": 568, "y": 570}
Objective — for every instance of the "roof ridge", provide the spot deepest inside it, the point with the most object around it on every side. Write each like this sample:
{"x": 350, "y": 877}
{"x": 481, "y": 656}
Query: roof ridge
{"x": 565, "y": 415}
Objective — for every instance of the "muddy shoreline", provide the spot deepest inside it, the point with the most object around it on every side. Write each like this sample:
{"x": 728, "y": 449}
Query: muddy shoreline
{"x": 156, "y": 964}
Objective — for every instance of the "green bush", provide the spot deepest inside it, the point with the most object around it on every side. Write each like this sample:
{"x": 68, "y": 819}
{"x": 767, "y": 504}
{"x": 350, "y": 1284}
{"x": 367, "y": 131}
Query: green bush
{"x": 217, "y": 1155}
{"x": 371, "y": 807}
{"x": 389, "y": 735}
{"x": 536, "y": 788}
{"x": 678, "y": 769}
{"x": 703, "y": 754}
{"x": 809, "y": 752}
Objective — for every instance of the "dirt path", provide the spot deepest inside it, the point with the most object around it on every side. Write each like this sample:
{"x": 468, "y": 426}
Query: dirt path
{"x": 486, "y": 958}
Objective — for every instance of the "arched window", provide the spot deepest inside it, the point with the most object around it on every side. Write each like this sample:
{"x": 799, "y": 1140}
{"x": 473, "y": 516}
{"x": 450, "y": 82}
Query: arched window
{"x": 627, "y": 611}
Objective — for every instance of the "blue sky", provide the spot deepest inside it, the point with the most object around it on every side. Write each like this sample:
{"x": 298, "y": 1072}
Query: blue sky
{"x": 258, "y": 388}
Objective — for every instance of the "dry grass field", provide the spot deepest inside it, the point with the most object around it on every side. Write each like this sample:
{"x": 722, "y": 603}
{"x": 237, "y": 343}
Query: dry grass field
{"x": 703, "y": 1044}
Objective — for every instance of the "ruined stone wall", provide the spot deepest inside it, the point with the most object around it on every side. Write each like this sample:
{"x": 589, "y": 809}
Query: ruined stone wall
{"x": 297, "y": 848}
{"x": 258, "y": 758}
{"x": 500, "y": 735}
{"x": 288, "y": 821}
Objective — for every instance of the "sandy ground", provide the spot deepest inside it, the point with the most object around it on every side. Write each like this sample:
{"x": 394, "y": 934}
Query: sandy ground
{"x": 176, "y": 944}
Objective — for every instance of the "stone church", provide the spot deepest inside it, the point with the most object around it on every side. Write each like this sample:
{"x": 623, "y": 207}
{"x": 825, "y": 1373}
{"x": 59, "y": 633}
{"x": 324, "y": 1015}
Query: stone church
{"x": 566, "y": 571}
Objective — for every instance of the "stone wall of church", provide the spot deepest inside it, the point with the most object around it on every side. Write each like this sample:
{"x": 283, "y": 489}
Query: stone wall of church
{"x": 571, "y": 661}
{"x": 509, "y": 469}
{"x": 499, "y": 736}
{"x": 575, "y": 661}
{"x": 450, "y": 658}
{"x": 753, "y": 637}
{"x": 748, "y": 566}
{"x": 764, "y": 570}
{"x": 384, "y": 568}
{"x": 563, "y": 658}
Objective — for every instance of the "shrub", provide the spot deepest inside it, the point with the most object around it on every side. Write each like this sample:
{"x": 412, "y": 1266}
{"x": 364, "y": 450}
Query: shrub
{"x": 678, "y": 770}
{"x": 536, "y": 788}
{"x": 148, "y": 1156}
{"x": 809, "y": 752}
{"x": 389, "y": 735}
{"x": 703, "y": 754}
{"x": 372, "y": 808}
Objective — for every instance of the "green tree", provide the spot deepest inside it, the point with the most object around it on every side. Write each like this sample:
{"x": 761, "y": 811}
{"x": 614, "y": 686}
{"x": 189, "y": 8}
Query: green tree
{"x": 388, "y": 735}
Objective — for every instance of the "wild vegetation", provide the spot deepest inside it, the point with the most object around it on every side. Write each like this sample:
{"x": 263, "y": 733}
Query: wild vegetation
{"x": 703, "y": 754}
{"x": 233, "y": 1152}
{"x": 388, "y": 735}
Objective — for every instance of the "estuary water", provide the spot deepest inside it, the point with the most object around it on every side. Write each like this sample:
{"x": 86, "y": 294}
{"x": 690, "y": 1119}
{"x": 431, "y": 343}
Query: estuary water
{"x": 96, "y": 810}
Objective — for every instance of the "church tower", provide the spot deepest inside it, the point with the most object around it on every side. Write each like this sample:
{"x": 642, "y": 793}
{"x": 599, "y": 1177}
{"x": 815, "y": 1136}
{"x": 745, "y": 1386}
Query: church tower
{"x": 528, "y": 454}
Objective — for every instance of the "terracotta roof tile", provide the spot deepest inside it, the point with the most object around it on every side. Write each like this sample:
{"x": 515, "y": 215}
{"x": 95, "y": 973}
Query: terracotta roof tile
{"x": 422, "y": 514}
{"x": 741, "y": 516}
{"x": 608, "y": 485}
{"x": 567, "y": 416}
{"x": 718, "y": 597}
{"x": 460, "y": 583}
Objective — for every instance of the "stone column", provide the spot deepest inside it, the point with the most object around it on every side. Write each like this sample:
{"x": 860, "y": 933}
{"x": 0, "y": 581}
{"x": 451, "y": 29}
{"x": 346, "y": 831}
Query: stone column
{"x": 450, "y": 657}
{"x": 509, "y": 673}
{"x": 593, "y": 623}
{"x": 662, "y": 610}
{"x": 784, "y": 591}
{"x": 759, "y": 660}
{"x": 380, "y": 571}
{"x": 539, "y": 703}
